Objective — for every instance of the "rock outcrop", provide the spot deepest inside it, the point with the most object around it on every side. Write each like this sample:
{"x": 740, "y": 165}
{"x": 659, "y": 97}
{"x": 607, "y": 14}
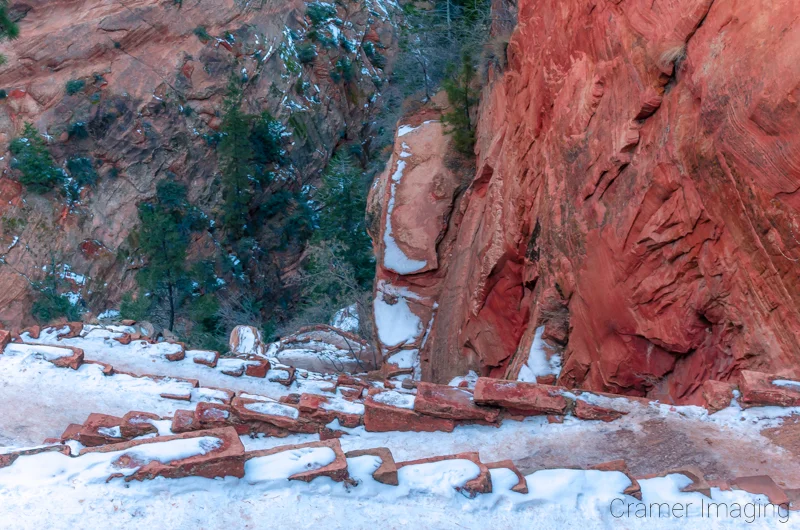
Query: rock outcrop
{"x": 635, "y": 194}
{"x": 137, "y": 89}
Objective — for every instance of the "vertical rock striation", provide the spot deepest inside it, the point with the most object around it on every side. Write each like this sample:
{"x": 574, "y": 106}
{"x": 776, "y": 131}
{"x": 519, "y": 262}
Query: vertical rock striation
{"x": 635, "y": 194}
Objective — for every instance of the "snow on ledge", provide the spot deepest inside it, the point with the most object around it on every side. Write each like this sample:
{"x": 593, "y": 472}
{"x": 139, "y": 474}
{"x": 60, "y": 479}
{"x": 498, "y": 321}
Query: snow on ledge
{"x": 273, "y": 408}
{"x": 395, "y": 399}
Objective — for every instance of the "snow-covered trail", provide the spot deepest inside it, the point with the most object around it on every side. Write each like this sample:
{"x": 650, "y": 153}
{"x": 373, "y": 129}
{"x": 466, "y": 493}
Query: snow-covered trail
{"x": 47, "y": 398}
{"x": 138, "y": 357}
{"x": 40, "y": 399}
{"x": 425, "y": 498}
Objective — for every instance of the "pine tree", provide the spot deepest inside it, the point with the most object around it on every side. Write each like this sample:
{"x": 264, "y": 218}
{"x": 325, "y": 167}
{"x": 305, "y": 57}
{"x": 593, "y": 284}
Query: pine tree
{"x": 164, "y": 240}
{"x": 33, "y": 161}
{"x": 236, "y": 156}
{"x": 343, "y": 198}
{"x": 8, "y": 28}
{"x": 463, "y": 96}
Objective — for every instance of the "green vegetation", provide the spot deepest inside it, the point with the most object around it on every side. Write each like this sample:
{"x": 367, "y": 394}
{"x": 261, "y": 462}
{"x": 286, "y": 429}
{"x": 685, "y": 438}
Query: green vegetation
{"x": 463, "y": 96}
{"x": 250, "y": 147}
{"x": 82, "y": 173}
{"x": 31, "y": 158}
{"x": 8, "y": 28}
{"x": 202, "y": 34}
{"x": 343, "y": 195}
{"x": 163, "y": 236}
{"x": 50, "y": 303}
{"x": 306, "y": 53}
{"x": 235, "y": 157}
{"x": 74, "y": 86}
{"x": 319, "y": 13}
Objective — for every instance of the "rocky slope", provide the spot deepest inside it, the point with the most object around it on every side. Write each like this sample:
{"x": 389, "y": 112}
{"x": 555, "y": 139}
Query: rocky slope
{"x": 634, "y": 200}
{"x": 152, "y": 76}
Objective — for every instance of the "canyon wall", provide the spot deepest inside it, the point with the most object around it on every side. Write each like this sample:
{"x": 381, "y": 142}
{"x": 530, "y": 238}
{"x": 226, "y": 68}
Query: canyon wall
{"x": 149, "y": 80}
{"x": 635, "y": 200}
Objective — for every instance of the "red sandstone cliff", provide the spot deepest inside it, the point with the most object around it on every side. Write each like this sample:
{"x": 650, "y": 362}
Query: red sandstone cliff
{"x": 636, "y": 193}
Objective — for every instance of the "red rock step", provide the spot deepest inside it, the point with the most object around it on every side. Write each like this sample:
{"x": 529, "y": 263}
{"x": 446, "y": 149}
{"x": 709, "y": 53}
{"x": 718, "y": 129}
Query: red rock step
{"x": 225, "y": 460}
{"x": 336, "y": 470}
{"x": 480, "y": 484}
{"x": 759, "y": 390}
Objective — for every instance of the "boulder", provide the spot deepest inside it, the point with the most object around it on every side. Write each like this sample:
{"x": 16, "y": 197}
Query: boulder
{"x": 717, "y": 394}
{"x": 282, "y": 415}
{"x": 381, "y": 417}
{"x": 212, "y": 415}
{"x": 138, "y": 424}
{"x": 321, "y": 410}
{"x": 5, "y": 338}
{"x": 105, "y": 367}
{"x": 73, "y": 361}
{"x": 100, "y": 429}
{"x": 74, "y": 330}
{"x": 6, "y": 459}
{"x": 246, "y": 340}
{"x": 760, "y": 389}
{"x": 259, "y": 369}
{"x": 634, "y": 490}
{"x": 531, "y": 398}
{"x": 450, "y": 402}
{"x": 588, "y": 411}
{"x": 209, "y": 358}
{"x": 522, "y": 484}
{"x": 225, "y": 460}
{"x": 184, "y": 421}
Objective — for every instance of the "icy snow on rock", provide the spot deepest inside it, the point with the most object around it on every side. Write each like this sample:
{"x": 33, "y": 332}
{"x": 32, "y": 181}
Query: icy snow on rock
{"x": 285, "y": 464}
{"x": 395, "y": 399}
{"x": 396, "y": 323}
{"x": 393, "y": 257}
{"x": 795, "y": 385}
{"x": 346, "y": 319}
{"x": 471, "y": 378}
{"x": 48, "y": 353}
{"x": 405, "y": 359}
{"x": 52, "y": 468}
{"x": 273, "y": 408}
{"x": 538, "y": 363}
{"x": 440, "y": 478}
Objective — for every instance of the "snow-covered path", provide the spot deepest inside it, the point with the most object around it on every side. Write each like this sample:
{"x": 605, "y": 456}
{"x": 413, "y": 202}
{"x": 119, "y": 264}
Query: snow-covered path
{"x": 142, "y": 358}
{"x": 425, "y": 498}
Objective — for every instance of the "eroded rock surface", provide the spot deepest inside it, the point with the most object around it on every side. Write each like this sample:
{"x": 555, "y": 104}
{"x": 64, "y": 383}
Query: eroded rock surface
{"x": 635, "y": 193}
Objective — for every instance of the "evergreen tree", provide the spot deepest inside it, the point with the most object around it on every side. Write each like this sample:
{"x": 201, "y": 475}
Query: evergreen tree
{"x": 236, "y": 155}
{"x": 463, "y": 96}
{"x": 342, "y": 216}
{"x": 33, "y": 161}
{"x": 164, "y": 240}
{"x": 8, "y": 28}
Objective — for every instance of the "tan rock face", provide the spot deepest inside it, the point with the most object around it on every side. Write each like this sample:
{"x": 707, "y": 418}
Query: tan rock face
{"x": 635, "y": 189}
{"x": 151, "y": 105}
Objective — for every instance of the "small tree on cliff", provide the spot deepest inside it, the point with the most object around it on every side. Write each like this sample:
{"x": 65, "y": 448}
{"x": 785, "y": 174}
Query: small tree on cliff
{"x": 164, "y": 240}
{"x": 343, "y": 196}
{"x": 235, "y": 155}
{"x": 463, "y": 96}
{"x": 32, "y": 159}
{"x": 8, "y": 28}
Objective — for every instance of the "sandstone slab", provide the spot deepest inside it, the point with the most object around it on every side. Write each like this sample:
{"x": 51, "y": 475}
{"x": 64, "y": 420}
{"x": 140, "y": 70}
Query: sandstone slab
{"x": 452, "y": 403}
{"x": 528, "y": 397}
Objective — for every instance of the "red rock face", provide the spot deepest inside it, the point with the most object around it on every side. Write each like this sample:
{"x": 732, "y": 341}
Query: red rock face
{"x": 637, "y": 177}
